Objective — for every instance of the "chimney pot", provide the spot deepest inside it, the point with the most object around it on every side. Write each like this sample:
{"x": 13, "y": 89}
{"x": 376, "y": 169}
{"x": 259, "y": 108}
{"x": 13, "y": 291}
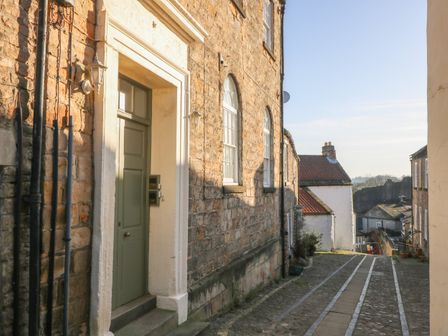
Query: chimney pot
{"x": 329, "y": 150}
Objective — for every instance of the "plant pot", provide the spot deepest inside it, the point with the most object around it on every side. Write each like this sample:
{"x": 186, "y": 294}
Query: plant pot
{"x": 295, "y": 270}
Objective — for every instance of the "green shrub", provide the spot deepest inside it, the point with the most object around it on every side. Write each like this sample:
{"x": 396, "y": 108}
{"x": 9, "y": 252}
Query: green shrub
{"x": 311, "y": 241}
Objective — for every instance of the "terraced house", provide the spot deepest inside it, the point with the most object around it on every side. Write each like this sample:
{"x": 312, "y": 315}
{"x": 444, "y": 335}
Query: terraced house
{"x": 141, "y": 170}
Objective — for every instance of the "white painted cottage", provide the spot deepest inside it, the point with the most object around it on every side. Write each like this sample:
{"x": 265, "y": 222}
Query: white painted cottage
{"x": 318, "y": 218}
{"x": 324, "y": 176}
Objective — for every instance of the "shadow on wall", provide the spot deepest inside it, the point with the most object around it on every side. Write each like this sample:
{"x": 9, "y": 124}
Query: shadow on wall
{"x": 234, "y": 244}
{"x": 21, "y": 76}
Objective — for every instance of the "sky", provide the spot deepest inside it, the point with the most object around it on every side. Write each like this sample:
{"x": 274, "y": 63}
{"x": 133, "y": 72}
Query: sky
{"x": 356, "y": 73}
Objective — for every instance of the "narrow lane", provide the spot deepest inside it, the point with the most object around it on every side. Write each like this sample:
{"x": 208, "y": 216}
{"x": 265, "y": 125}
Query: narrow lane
{"x": 340, "y": 295}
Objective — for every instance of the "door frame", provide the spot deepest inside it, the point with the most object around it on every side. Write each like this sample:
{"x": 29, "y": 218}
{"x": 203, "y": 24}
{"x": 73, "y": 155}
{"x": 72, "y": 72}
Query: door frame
{"x": 172, "y": 294}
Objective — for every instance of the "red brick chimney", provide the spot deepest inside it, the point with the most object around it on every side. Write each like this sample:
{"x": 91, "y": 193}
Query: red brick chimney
{"x": 328, "y": 150}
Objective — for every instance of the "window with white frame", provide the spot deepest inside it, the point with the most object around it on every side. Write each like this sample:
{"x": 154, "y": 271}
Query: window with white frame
{"x": 290, "y": 223}
{"x": 419, "y": 173}
{"x": 426, "y": 174}
{"x": 420, "y": 221}
{"x": 231, "y": 132}
{"x": 268, "y": 24}
{"x": 285, "y": 163}
{"x": 425, "y": 225}
{"x": 267, "y": 164}
{"x": 415, "y": 177}
{"x": 415, "y": 217}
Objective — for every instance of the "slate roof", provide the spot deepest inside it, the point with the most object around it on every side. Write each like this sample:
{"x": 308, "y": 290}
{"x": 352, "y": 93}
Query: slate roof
{"x": 318, "y": 170}
{"x": 390, "y": 211}
{"x": 311, "y": 204}
{"x": 422, "y": 152}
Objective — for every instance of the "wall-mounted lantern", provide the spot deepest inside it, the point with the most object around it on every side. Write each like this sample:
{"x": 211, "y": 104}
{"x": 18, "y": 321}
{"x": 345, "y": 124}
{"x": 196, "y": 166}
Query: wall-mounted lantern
{"x": 89, "y": 77}
{"x": 96, "y": 70}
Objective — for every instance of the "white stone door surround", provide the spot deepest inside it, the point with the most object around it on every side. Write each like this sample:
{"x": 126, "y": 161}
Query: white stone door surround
{"x": 169, "y": 240}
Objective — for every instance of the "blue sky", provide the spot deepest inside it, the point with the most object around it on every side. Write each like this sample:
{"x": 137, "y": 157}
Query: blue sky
{"x": 356, "y": 72}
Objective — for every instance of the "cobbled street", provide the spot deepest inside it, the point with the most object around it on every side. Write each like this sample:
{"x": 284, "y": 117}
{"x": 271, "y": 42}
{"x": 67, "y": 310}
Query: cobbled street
{"x": 339, "y": 295}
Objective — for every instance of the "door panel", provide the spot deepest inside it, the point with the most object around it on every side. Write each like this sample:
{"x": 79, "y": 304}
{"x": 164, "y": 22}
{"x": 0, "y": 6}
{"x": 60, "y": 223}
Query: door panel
{"x": 130, "y": 257}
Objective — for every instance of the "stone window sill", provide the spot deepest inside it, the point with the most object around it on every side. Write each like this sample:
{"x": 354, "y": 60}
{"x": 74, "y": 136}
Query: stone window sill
{"x": 269, "y": 51}
{"x": 233, "y": 189}
{"x": 268, "y": 190}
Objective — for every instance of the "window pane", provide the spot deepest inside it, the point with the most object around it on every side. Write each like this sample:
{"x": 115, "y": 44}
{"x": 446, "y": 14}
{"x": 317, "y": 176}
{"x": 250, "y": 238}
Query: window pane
{"x": 234, "y": 130}
{"x": 268, "y": 23}
{"x": 141, "y": 102}
{"x": 231, "y": 132}
{"x": 267, "y": 172}
{"x": 230, "y": 93}
{"x": 125, "y": 96}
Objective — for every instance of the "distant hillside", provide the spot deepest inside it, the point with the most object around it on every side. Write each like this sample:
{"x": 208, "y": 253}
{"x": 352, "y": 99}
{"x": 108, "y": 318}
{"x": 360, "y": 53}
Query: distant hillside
{"x": 362, "y": 182}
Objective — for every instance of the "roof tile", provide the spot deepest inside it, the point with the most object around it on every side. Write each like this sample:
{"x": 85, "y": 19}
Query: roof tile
{"x": 311, "y": 204}
{"x": 317, "y": 170}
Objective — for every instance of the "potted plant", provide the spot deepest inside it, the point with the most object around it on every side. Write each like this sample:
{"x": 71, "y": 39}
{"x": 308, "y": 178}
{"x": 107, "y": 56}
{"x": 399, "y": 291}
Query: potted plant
{"x": 310, "y": 242}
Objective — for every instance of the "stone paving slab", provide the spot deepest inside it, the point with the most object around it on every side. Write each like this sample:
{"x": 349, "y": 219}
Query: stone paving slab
{"x": 340, "y": 315}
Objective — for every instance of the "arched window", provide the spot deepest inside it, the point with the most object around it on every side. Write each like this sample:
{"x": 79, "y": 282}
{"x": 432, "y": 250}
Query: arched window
{"x": 267, "y": 164}
{"x": 231, "y": 132}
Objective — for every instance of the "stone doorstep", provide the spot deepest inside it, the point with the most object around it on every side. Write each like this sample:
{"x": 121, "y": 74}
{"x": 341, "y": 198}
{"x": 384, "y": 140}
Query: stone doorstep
{"x": 131, "y": 311}
{"x": 190, "y": 328}
{"x": 157, "y": 322}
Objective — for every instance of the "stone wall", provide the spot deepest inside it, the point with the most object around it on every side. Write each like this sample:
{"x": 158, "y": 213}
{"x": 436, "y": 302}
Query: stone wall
{"x": 291, "y": 167}
{"x": 224, "y": 226}
{"x": 237, "y": 233}
{"x": 18, "y": 33}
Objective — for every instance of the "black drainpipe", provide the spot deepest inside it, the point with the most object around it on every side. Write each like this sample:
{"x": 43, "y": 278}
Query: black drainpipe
{"x": 68, "y": 220}
{"x": 36, "y": 170}
{"x": 282, "y": 142}
{"x": 18, "y": 218}
{"x": 51, "y": 252}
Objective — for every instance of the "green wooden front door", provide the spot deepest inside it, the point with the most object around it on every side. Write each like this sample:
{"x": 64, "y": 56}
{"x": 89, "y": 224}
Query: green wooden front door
{"x": 131, "y": 225}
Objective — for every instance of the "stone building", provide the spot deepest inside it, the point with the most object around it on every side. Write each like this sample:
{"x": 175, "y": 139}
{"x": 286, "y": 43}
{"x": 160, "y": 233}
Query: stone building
{"x": 327, "y": 179}
{"x": 177, "y": 161}
{"x": 420, "y": 214}
{"x": 291, "y": 178}
{"x": 387, "y": 217}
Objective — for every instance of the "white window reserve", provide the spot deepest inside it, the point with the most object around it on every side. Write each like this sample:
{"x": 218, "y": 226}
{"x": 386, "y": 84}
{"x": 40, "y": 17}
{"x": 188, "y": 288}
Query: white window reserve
{"x": 267, "y": 180}
{"x": 231, "y": 132}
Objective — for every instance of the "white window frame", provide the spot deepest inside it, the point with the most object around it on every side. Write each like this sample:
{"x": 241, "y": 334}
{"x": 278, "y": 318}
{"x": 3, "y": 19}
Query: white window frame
{"x": 267, "y": 151}
{"x": 419, "y": 173}
{"x": 425, "y": 225}
{"x": 231, "y": 134}
{"x": 426, "y": 174}
{"x": 285, "y": 163}
{"x": 420, "y": 220}
{"x": 268, "y": 24}
{"x": 415, "y": 175}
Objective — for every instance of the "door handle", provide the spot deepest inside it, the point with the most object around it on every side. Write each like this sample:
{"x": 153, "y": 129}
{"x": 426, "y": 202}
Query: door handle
{"x": 127, "y": 234}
